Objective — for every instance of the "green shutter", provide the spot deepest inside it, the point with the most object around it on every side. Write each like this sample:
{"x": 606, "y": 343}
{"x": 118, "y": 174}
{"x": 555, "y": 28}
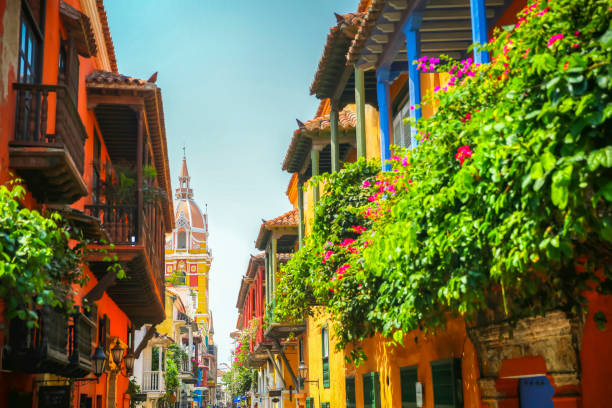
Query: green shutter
{"x": 350, "y": 392}
{"x": 325, "y": 405}
{"x": 408, "y": 380}
{"x": 371, "y": 390}
{"x": 310, "y": 403}
{"x": 447, "y": 384}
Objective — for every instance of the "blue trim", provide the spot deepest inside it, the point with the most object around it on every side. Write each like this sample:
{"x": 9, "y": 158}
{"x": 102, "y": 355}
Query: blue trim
{"x": 479, "y": 29}
{"x": 413, "y": 49}
{"x": 384, "y": 105}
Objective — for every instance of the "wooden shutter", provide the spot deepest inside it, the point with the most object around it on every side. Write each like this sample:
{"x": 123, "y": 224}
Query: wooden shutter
{"x": 325, "y": 405}
{"x": 447, "y": 384}
{"x": 350, "y": 392}
{"x": 408, "y": 380}
{"x": 371, "y": 390}
{"x": 310, "y": 403}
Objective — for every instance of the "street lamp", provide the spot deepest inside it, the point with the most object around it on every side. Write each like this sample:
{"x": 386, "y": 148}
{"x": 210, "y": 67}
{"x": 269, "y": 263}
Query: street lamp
{"x": 99, "y": 361}
{"x": 117, "y": 353}
{"x": 303, "y": 374}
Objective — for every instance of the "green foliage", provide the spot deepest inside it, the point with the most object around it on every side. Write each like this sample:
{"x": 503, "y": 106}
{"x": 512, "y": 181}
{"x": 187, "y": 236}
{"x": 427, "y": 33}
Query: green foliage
{"x": 39, "y": 262}
{"x": 132, "y": 390}
{"x": 119, "y": 187}
{"x": 504, "y": 205}
{"x": 240, "y": 378}
{"x": 175, "y": 356}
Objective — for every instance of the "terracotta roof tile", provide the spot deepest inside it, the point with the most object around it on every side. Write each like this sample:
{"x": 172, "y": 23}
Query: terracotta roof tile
{"x": 364, "y": 31}
{"x": 338, "y": 41}
{"x": 347, "y": 120}
{"x": 113, "y": 78}
{"x": 289, "y": 219}
{"x": 110, "y": 48}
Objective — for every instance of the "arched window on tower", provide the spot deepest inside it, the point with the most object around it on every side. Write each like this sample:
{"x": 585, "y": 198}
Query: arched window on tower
{"x": 182, "y": 239}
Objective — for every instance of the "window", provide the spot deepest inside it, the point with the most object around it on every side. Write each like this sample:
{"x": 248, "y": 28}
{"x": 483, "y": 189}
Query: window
{"x": 408, "y": 380}
{"x": 253, "y": 314}
{"x": 182, "y": 239}
{"x": 447, "y": 384}
{"x": 30, "y": 44}
{"x": 301, "y": 350}
{"x": 310, "y": 403}
{"x": 325, "y": 405}
{"x": 401, "y": 130}
{"x": 325, "y": 355}
{"x": 350, "y": 392}
{"x": 371, "y": 390}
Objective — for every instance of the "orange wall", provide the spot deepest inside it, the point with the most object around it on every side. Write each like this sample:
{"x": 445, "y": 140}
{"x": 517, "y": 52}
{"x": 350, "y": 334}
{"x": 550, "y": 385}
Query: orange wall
{"x": 9, "y": 37}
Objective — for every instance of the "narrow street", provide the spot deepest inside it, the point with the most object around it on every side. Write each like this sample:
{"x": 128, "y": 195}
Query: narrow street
{"x": 433, "y": 230}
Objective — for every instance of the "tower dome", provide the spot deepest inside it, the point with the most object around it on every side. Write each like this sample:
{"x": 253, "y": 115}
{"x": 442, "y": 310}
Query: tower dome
{"x": 191, "y": 231}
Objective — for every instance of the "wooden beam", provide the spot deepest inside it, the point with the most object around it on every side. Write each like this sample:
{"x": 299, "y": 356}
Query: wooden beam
{"x": 279, "y": 372}
{"x": 296, "y": 383}
{"x": 143, "y": 343}
{"x": 464, "y": 35}
{"x": 94, "y": 100}
{"x": 300, "y": 187}
{"x": 386, "y": 27}
{"x": 442, "y": 26}
{"x": 393, "y": 16}
{"x": 445, "y": 46}
{"x": 453, "y": 14}
{"x": 398, "y": 4}
{"x": 380, "y": 38}
{"x": 374, "y": 48}
{"x": 96, "y": 293}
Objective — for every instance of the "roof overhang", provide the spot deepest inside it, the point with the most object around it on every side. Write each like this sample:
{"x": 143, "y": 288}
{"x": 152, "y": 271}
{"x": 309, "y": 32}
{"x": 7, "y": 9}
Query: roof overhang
{"x": 78, "y": 28}
{"x": 109, "y": 93}
{"x": 445, "y": 28}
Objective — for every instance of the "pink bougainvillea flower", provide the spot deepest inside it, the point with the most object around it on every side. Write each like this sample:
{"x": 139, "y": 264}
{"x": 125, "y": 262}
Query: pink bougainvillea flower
{"x": 437, "y": 88}
{"x": 463, "y": 153}
{"x": 347, "y": 242}
{"x": 467, "y": 117}
{"x": 576, "y": 45}
{"x": 342, "y": 269}
{"x": 328, "y": 254}
{"x": 577, "y": 33}
{"x": 554, "y": 39}
{"x": 358, "y": 229}
{"x": 365, "y": 184}
{"x": 405, "y": 162}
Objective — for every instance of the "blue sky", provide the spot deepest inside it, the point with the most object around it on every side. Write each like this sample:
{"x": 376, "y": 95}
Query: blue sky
{"x": 234, "y": 77}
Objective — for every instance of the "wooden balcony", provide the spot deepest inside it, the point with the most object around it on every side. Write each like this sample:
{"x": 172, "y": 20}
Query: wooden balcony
{"x": 61, "y": 344}
{"x": 81, "y": 335}
{"x": 50, "y": 162}
{"x": 137, "y": 235}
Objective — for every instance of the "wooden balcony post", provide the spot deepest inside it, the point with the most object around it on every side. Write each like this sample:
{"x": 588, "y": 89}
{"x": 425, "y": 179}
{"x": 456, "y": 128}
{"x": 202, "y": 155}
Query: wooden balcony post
{"x": 300, "y": 187}
{"x": 411, "y": 31}
{"x": 335, "y": 148}
{"x": 384, "y": 112}
{"x": 360, "y": 111}
{"x": 139, "y": 178}
{"x": 314, "y": 156}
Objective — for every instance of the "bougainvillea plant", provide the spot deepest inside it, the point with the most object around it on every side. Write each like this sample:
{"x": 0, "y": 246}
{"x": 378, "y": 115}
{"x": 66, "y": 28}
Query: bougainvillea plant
{"x": 241, "y": 376}
{"x": 504, "y": 205}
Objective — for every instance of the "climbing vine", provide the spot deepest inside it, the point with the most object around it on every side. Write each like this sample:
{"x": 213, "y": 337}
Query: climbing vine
{"x": 241, "y": 377}
{"x": 504, "y": 205}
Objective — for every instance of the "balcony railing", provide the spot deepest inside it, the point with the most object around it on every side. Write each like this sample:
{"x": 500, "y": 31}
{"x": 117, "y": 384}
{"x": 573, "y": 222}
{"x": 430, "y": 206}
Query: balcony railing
{"x": 32, "y": 114}
{"x": 153, "y": 381}
{"x": 39, "y": 349}
{"x": 119, "y": 221}
{"x": 80, "y": 335}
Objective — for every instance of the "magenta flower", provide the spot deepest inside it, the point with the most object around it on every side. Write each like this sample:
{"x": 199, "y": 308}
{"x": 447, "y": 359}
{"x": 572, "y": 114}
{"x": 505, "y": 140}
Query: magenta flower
{"x": 463, "y": 153}
{"x": 328, "y": 254}
{"x": 437, "y": 88}
{"x": 554, "y": 39}
{"x": 347, "y": 242}
{"x": 358, "y": 229}
{"x": 366, "y": 184}
{"x": 405, "y": 162}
